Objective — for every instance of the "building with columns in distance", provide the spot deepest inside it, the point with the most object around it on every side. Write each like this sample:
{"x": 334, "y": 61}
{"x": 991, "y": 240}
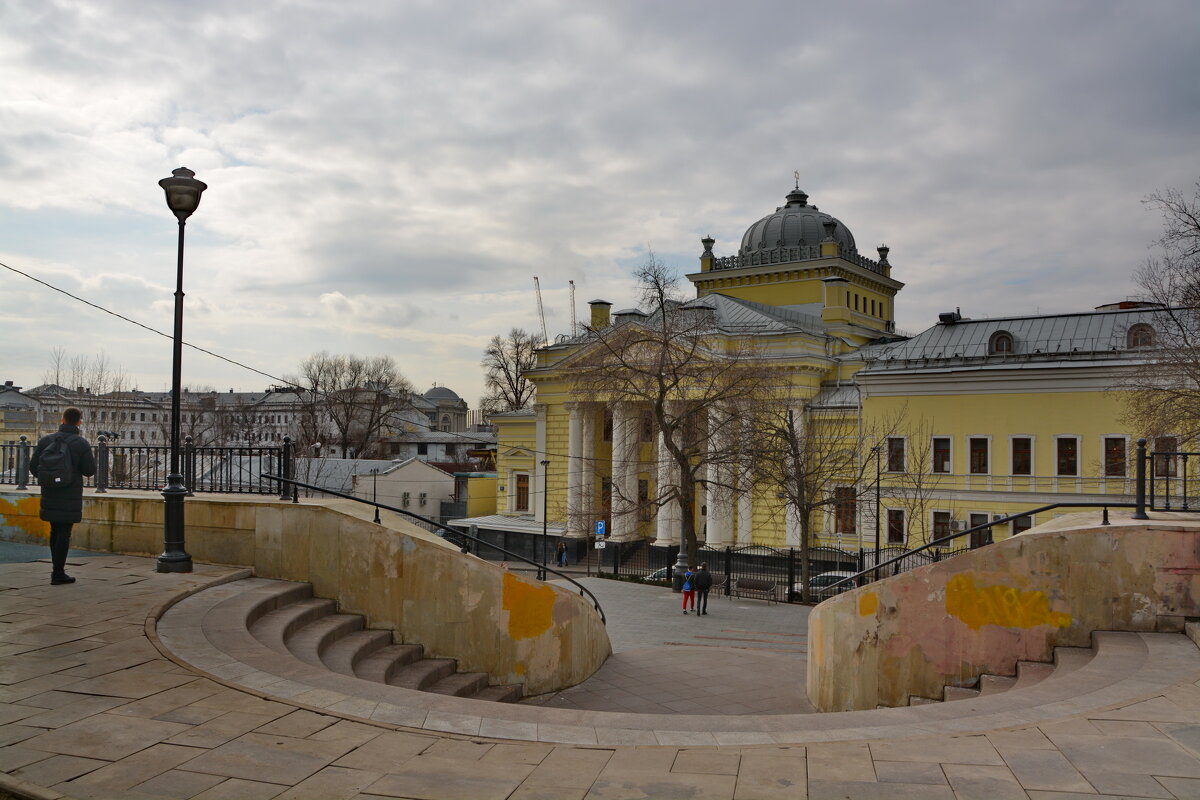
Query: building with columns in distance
{"x": 972, "y": 419}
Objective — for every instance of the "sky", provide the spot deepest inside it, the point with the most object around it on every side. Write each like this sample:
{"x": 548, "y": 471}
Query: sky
{"x": 388, "y": 178}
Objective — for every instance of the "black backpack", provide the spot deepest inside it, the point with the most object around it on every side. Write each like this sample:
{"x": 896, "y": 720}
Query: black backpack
{"x": 56, "y": 467}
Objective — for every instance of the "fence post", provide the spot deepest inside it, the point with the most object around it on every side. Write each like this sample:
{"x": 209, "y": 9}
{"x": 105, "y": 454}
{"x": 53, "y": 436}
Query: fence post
{"x": 728, "y": 568}
{"x": 616, "y": 558}
{"x": 102, "y": 465}
{"x": 1139, "y": 511}
{"x": 792, "y": 572}
{"x": 23, "y": 463}
{"x": 285, "y": 468}
{"x": 189, "y": 465}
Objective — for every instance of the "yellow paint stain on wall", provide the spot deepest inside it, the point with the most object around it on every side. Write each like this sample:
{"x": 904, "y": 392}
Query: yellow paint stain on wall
{"x": 23, "y": 514}
{"x": 868, "y": 604}
{"x": 999, "y": 605}
{"x": 530, "y": 608}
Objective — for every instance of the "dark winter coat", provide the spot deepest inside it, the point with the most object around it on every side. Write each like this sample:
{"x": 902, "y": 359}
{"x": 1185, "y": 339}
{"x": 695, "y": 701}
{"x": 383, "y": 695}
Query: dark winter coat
{"x": 65, "y": 503}
{"x": 703, "y": 580}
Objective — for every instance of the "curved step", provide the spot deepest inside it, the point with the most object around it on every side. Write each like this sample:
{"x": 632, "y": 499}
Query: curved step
{"x": 275, "y": 627}
{"x": 1069, "y": 659}
{"x": 461, "y": 684}
{"x": 384, "y": 662}
{"x": 307, "y": 643}
{"x": 1031, "y": 673}
{"x": 503, "y": 693}
{"x": 420, "y": 675}
{"x": 343, "y": 655}
{"x": 951, "y": 693}
{"x": 994, "y": 684}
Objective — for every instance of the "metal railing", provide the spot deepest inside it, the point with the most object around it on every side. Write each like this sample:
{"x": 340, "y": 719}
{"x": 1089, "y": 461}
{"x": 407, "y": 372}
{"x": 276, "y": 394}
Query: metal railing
{"x": 1172, "y": 488}
{"x": 229, "y": 470}
{"x": 463, "y": 540}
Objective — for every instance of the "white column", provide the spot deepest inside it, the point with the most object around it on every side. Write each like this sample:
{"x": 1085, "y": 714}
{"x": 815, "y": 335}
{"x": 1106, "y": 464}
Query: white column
{"x": 538, "y": 490}
{"x": 576, "y": 521}
{"x": 720, "y": 500}
{"x": 587, "y": 474}
{"x": 667, "y": 524}
{"x": 624, "y": 471}
{"x": 745, "y": 496}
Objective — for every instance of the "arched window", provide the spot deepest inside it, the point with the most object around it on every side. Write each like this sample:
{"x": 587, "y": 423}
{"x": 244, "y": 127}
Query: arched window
{"x": 1000, "y": 343}
{"x": 1141, "y": 335}
{"x": 446, "y": 423}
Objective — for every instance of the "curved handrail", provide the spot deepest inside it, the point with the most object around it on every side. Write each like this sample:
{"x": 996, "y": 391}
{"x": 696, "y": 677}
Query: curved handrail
{"x": 542, "y": 568}
{"x": 940, "y": 542}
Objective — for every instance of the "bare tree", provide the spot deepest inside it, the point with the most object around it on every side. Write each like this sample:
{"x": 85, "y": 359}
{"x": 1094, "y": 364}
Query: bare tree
{"x": 818, "y": 460}
{"x": 505, "y": 362}
{"x": 696, "y": 384}
{"x": 358, "y": 395}
{"x": 916, "y": 486}
{"x": 1165, "y": 390}
{"x": 56, "y": 374}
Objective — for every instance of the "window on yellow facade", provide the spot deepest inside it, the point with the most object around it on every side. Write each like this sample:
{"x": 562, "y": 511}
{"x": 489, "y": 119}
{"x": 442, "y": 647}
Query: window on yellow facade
{"x": 895, "y": 526}
{"x": 941, "y": 526}
{"x": 522, "y": 501}
{"x": 895, "y": 454}
{"x": 608, "y": 425}
{"x": 647, "y": 432}
{"x": 1022, "y": 455}
{"x": 978, "y": 447}
{"x": 1021, "y": 524}
{"x": 843, "y": 504}
{"x": 1114, "y": 457}
{"x": 643, "y": 500}
{"x": 1067, "y": 456}
{"x": 941, "y": 454}
{"x": 1165, "y": 448}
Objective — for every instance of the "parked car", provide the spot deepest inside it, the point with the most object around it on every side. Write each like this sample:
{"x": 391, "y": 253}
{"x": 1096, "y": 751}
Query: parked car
{"x": 822, "y": 584}
{"x": 659, "y": 574}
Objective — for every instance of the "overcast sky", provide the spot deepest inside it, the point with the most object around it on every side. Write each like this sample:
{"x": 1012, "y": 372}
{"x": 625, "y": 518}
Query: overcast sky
{"x": 387, "y": 178}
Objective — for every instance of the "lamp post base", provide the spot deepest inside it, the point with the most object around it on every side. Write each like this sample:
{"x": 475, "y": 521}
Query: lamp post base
{"x": 174, "y": 558}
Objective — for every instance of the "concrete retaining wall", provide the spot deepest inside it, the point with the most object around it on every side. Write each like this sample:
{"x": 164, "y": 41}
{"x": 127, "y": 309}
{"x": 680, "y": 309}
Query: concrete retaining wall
{"x": 947, "y": 623}
{"x": 398, "y": 576}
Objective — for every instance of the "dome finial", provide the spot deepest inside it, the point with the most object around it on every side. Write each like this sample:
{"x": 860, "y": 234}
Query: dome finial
{"x": 796, "y": 174}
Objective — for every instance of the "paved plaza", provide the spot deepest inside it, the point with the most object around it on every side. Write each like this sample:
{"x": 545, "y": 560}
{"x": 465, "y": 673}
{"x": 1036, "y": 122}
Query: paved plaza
{"x": 92, "y": 707}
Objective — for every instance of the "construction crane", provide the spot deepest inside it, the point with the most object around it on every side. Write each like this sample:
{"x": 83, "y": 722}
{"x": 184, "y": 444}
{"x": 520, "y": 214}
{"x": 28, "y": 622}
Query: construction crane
{"x": 537, "y": 287}
{"x": 572, "y": 307}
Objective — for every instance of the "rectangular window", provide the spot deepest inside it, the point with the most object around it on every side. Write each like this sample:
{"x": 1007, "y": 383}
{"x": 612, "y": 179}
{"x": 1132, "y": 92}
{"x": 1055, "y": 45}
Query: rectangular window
{"x": 1114, "y": 456}
{"x": 143, "y": 416}
{"x": 941, "y": 526}
{"x": 895, "y": 526}
{"x": 422, "y": 449}
{"x": 843, "y": 503}
{"x": 643, "y": 500}
{"x": 941, "y": 454}
{"x": 1022, "y": 455}
{"x": 647, "y": 427}
{"x": 522, "y": 492}
{"x": 1021, "y": 524}
{"x": 1164, "y": 465}
{"x": 1068, "y": 455}
{"x": 608, "y": 425}
{"x": 982, "y": 536}
{"x": 895, "y": 454}
{"x": 978, "y": 447}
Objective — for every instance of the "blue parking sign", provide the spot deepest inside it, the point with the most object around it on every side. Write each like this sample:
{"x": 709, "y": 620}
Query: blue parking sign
{"x": 601, "y": 528}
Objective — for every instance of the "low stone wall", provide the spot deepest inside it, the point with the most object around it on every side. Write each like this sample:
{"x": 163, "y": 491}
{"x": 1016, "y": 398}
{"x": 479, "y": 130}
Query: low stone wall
{"x": 398, "y": 576}
{"x": 947, "y": 623}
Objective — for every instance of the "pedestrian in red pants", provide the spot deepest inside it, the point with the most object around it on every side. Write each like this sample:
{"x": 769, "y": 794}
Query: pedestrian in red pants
{"x": 689, "y": 596}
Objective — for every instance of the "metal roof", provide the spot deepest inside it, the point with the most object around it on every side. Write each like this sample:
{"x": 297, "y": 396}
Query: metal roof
{"x": 1036, "y": 337}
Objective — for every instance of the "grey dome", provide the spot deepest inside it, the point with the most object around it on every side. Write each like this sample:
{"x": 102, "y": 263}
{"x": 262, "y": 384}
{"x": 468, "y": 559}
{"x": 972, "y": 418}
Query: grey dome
{"x": 441, "y": 393}
{"x": 792, "y": 225}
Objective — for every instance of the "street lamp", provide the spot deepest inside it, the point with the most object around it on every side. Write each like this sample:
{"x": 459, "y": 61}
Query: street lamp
{"x": 545, "y": 504}
{"x": 878, "y": 456}
{"x": 183, "y": 196}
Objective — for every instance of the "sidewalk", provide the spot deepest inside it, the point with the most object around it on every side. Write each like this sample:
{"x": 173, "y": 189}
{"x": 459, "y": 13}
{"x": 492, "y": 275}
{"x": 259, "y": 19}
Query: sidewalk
{"x": 89, "y": 707}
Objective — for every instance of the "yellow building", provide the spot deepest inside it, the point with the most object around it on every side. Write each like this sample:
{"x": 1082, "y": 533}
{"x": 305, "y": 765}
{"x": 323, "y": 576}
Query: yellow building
{"x": 972, "y": 418}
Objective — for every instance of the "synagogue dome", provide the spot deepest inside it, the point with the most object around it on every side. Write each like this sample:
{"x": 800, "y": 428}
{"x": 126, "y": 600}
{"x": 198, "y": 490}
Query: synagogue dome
{"x": 793, "y": 225}
{"x": 441, "y": 393}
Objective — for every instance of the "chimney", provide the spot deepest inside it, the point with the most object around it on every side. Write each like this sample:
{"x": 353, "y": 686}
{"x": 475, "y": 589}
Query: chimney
{"x": 600, "y": 313}
{"x": 706, "y": 258}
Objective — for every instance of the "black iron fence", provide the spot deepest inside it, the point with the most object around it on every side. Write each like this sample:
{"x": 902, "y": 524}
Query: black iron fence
{"x": 235, "y": 470}
{"x": 1172, "y": 481}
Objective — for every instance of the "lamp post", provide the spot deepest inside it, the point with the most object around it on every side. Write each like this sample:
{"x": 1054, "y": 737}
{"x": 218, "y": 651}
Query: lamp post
{"x": 183, "y": 196}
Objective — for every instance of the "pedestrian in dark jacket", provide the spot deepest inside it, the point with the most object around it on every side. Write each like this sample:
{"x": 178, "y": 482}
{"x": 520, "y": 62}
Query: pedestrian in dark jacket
{"x": 702, "y": 582}
{"x": 62, "y": 506}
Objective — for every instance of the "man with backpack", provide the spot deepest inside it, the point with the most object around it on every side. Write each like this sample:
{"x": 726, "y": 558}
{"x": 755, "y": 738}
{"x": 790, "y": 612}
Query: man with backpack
{"x": 60, "y": 462}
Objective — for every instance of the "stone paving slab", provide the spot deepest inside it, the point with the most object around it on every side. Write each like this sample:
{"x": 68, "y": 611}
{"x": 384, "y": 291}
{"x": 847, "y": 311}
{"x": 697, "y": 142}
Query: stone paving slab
{"x": 185, "y": 734}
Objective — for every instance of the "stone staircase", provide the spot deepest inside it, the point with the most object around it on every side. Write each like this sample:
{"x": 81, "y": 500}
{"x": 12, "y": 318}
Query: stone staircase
{"x": 287, "y": 619}
{"x": 1067, "y": 660}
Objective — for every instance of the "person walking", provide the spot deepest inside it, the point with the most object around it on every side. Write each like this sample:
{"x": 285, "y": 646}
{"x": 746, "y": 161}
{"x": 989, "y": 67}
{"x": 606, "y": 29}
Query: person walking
{"x": 560, "y": 555}
{"x": 703, "y": 582}
{"x": 60, "y": 462}
{"x": 689, "y": 596}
